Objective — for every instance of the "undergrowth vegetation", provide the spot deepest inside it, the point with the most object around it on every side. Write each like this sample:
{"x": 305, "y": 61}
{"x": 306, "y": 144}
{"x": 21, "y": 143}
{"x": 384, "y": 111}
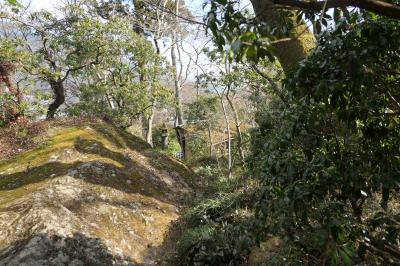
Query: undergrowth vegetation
{"x": 218, "y": 224}
{"x": 325, "y": 162}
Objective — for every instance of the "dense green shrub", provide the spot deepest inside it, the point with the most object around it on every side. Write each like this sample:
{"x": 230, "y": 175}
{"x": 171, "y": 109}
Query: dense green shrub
{"x": 221, "y": 226}
{"x": 326, "y": 156}
{"x": 219, "y": 232}
{"x": 222, "y": 244}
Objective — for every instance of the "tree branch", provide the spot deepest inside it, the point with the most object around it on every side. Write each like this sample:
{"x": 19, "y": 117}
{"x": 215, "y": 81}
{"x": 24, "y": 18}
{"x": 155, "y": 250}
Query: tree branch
{"x": 70, "y": 70}
{"x": 271, "y": 82}
{"x": 376, "y": 6}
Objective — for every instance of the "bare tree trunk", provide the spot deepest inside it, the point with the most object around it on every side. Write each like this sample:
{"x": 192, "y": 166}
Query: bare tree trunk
{"x": 58, "y": 88}
{"x": 110, "y": 101}
{"x": 228, "y": 130}
{"x": 109, "y": 98}
{"x": 147, "y": 127}
{"x": 149, "y": 136}
{"x": 178, "y": 100}
{"x": 238, "y": 130}
{"x": 178, "y": 124}
{"x": 289, "y": 51}
{"x": 144, "y": 126}
{"x": 211, "y": 140}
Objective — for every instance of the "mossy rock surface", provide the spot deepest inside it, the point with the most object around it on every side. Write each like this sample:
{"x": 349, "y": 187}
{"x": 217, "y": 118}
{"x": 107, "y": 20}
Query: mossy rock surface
{"x": 91, "y": 194}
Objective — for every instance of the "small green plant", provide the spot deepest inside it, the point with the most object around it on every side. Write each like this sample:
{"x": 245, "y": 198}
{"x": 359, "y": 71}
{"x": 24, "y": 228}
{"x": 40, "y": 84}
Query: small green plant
{"x": 208, "y": 172}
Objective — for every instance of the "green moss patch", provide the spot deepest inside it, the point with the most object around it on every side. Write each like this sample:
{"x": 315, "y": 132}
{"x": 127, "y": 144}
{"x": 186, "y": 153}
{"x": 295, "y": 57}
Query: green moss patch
{"x": 99, "y": 154}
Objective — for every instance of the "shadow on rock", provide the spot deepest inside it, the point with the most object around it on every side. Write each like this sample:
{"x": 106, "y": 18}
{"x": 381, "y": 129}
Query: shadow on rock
{"x": 49, "y": 250}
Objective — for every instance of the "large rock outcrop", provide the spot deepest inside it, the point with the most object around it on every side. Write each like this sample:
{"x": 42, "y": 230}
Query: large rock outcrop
{"x": 90, "y": 195}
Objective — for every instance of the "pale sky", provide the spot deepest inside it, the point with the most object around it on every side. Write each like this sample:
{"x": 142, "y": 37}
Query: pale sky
{"x": 196, "y": 5}
{"x": 41, "y": 4}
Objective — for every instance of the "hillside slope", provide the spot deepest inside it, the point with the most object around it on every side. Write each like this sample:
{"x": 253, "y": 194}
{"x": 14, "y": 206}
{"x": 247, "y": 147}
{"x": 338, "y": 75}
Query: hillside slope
{"x": 89, "y": 195}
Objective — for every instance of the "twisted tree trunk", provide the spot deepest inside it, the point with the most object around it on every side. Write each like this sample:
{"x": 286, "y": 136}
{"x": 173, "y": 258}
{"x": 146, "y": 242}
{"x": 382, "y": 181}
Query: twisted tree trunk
{"x": 59, "y": 97}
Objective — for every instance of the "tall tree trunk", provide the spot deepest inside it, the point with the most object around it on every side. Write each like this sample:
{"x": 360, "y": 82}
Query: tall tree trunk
{"x": 210, "y": 139}
{"x": 238, "y": 130}
{"x": 110, "y": 101}
{"x": 149, "y": 135}
{"x": 144, "y": 126}
{"x": 109, "y": 98}
{"x": 147, "y": 127}
{"x": 290, "y": 50}
{"x": 59, "y": 96}
{"x": 178, "y": 124}
{"x": 228, "y": 130}
{"x": 147, "y": 119}
{"x": 178, "y": 102}
{"x": 177, "y": 85}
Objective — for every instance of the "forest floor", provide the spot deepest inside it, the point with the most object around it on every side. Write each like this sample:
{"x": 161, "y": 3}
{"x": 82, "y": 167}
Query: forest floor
{"x": 79, "y": 192}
